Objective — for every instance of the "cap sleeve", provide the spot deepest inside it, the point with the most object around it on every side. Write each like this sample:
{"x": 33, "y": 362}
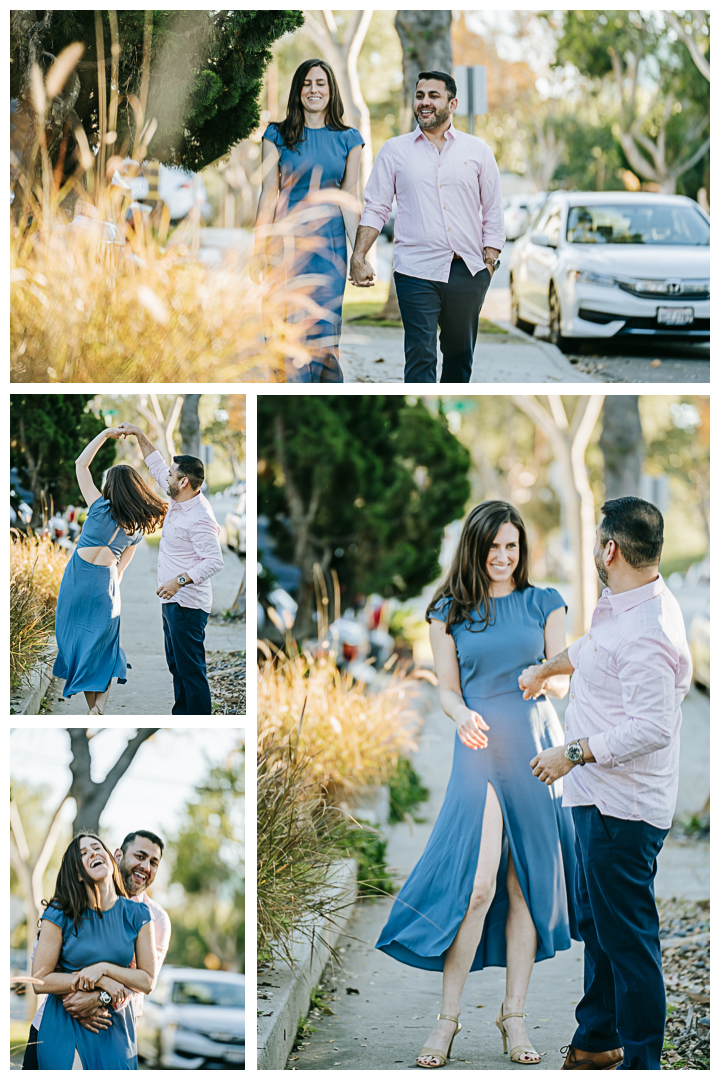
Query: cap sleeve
{"x": 135, "y": 538}
{"x": 353, "y": 138}
{"x": 551, "y": 600}
{"x": 272, "y": 134}
{"x": 55, "y": 915}
{"x": 140, "y": 914}
{"x": 439, "y": 610}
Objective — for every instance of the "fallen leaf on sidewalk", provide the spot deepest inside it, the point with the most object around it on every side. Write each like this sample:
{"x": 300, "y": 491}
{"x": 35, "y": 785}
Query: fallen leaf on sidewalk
{"x": 656, "y": 363}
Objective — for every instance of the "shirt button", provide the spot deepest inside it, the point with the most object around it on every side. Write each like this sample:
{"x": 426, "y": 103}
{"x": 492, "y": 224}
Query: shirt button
{"x": 572, "y": 697}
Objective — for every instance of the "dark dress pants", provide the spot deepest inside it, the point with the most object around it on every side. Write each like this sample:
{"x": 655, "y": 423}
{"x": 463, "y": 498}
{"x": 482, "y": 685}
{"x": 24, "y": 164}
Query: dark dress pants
{"x": 30, "y": 1060}
{"x": 184, "y": 630}
{"x": 624, "y": 1000}
{"x": 454, "y": 306}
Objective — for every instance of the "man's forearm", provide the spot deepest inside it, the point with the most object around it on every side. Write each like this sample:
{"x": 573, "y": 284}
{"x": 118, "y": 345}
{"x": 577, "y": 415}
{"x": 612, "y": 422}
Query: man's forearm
{"x": 366, "y": 237}
{"x": 558, "y": 665}
{"x": 491, "y": 253}
{"x": 146, "y": 447}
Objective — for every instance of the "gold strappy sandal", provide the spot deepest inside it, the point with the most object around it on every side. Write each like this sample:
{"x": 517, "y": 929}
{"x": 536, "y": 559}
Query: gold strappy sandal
{"x": 516, "y": 1052}
{"x": 430, "y": 1051}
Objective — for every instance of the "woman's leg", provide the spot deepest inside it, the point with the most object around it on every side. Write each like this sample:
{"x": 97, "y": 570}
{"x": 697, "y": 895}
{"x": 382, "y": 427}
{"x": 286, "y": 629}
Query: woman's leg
{"x": 521, "y": 940}
{"x": 462, "y": 951}
{"x": 90, "y": 696}
{"x": 101, "y": 700}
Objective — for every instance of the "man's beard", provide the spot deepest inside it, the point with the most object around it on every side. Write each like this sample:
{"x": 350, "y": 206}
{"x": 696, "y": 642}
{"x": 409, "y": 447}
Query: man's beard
{"x": 601, "y": 569}
{"x": 435, "y": 121}
{"x": 173, "y": 490}
{"x": 130, "y": 885}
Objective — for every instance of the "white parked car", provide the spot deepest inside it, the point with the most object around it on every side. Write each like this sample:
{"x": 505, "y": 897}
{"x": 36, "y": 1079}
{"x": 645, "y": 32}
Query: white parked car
{"x": 515, "y": 214}
{"x": 614, "y": 264}
{"x": 194, "y": 1019}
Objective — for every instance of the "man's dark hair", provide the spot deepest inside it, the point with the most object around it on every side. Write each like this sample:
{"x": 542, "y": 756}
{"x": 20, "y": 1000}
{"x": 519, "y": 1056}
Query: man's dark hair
{"x": 142, "y": 832}
{"x": 192, "y": 467}
{"x": 636, "y": 527}
{"x": 441, "y": 76}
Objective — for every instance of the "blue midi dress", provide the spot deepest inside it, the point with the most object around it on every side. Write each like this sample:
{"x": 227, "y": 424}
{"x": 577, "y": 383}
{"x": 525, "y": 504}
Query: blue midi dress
{"x": 87, "y": 618}
{"x": 112, "y": 939}
{"x": 537, "y": 830}
{"x": 316, "y": 163}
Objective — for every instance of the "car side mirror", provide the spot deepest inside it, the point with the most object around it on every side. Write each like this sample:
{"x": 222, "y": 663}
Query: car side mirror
{"x": 541, "y": 239}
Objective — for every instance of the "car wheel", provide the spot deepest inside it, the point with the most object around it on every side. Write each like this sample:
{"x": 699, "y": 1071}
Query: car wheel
{"x": 556, "y": 336}
{"x": 522, "y": 324}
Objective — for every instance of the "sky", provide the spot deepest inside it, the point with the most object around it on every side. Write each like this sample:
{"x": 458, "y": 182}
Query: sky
{"x": 152, "y": 793}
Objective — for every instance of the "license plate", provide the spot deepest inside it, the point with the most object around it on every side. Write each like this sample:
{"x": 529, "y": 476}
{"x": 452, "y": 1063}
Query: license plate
{"x": 675, "y": 316}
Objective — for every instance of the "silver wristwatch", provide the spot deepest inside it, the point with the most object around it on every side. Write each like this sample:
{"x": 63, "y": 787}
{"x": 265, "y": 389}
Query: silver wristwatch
{"x": 574, "y": 753}
{"x": 105, "y": 998}
{"x": 492, "y": 262}
{"x": 181, "y": 579}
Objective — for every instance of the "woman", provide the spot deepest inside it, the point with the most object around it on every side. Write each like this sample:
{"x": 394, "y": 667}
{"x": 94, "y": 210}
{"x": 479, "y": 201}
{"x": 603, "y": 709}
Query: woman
{"x": 312, "y": 149}
{"x": 494, "y": 884}
{"x": 87, "y": 620}
{"x": 89, "y": 933}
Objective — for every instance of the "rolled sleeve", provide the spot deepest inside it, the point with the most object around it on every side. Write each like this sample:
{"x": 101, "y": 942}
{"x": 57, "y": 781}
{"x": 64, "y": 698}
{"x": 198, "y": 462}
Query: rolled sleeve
{"x": 574, "y": 650}
{"x": 158, "y": 468}
{"x": 647, "y": 679}
{"x": 204, "y": 537}
{"x": 379, "y": 191}
{"x": 493, "y": 225}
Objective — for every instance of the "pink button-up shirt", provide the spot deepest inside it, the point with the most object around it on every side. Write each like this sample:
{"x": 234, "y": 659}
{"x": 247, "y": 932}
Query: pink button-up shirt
{"x": 632, "y": 671}
{"x": 446, "y": 202}
{"x": 189, "y": 543}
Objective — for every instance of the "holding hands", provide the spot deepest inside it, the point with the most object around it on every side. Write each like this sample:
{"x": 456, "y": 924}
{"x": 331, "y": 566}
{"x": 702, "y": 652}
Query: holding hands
{"x": 361, "y": 272}
{"x": 532, "y": 681}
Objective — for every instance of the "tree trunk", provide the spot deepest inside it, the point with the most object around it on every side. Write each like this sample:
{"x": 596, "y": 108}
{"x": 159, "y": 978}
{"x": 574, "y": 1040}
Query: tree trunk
{"x": 189, "y": 426}
{"x": 622, "y": 445}
{"x": 569, "y": 441}
{"x": 90, "y": 797}
{"x": 425, "y": 40}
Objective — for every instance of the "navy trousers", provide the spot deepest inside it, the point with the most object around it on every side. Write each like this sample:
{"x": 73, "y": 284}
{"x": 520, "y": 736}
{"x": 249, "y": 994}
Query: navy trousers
{"x": 30, "y": 1060}
{"x": 184, "y": 630}
{"x": 454, "y": 306}
{"x": 624, "y": 999}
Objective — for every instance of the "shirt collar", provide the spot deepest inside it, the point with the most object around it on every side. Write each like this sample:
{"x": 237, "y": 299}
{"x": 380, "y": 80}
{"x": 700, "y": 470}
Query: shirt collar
{"x": 624, "y": 601}
{"x": 188, "y": 503}
{"x": 451, "y": 131}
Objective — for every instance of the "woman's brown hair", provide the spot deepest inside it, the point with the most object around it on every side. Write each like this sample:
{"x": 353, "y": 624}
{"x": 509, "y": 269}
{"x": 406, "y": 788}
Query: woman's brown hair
{"x": 467, "y": 584}
{"x": 70, "y": 895}
{"x": 292, "y": 128}
{"x": 132, "y": 504}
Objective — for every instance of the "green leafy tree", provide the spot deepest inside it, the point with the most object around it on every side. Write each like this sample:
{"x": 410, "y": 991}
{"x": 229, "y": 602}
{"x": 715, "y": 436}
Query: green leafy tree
{"x": 47, "y": 432}
{"x": 209, "y": 930}
{"x": 365, "y": 485}
{"x": 201, "y": 85}
{"x": 663, "y": 130}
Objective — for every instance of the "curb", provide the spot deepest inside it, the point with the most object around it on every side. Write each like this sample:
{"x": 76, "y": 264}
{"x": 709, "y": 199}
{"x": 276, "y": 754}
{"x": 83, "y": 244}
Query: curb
{"x": 33, "y": 694}
{"x": 551, "y": 351}
{"x": 289, "y": 988}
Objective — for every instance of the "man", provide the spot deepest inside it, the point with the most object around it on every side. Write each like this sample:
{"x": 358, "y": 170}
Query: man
{"x": 138, "y": 859}
{"x": 448, "y": 231}
{"x": 630, "y": 673}
{"x": 190, "y": 554}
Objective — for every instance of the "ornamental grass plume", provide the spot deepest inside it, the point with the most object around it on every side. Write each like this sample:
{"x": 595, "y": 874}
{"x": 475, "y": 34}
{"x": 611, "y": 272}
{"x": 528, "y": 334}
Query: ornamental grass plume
{"x": 350, "y": 739}
{"x": 36, "y": 569}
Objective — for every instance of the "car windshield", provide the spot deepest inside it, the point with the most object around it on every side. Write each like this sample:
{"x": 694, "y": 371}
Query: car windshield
{"x": 645, "y": 223}
{"x": 226, "y": 995}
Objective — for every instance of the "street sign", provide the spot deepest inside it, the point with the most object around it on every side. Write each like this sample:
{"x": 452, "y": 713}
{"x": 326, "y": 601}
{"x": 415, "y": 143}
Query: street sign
{"x": 471, "y": 92}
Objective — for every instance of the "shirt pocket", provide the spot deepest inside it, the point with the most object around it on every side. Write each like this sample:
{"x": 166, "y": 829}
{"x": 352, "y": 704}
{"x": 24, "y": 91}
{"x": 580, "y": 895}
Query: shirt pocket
{"x": 465, "y": 175}
{"x": 598, "y": 665}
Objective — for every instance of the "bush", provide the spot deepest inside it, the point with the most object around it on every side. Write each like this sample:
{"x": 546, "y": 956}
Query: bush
{"x": 368, "y": 847}
{"x": 406, "y": 791}
{"x": 36, "y": 570}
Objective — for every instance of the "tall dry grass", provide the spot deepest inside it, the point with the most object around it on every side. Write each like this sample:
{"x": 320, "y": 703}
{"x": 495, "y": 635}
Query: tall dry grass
{"x": 36, "y": 570}
{"x": 141, "y": 307}
{"x": 351, "y": 739}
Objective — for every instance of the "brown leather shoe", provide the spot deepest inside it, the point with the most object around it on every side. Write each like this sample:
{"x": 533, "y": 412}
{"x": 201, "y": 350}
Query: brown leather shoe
{"x": 583, "y": 1059}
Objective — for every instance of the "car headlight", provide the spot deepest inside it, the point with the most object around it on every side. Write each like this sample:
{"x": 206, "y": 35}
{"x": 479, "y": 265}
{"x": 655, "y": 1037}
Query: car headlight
{"x": 586, "y": 277}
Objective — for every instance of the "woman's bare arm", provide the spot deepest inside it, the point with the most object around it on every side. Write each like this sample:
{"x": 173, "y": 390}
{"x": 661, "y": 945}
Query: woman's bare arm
{"x": 267, "y": 205}
{"x": 470, "y": 725}
{"x": 555, "y": 642}
{"x": 82, "y": 465}
{"x": 142, "y": 978}
{"x": 46, "y": 959}
{"x": 125, "y": 559}
{"x": 349, "y": 184}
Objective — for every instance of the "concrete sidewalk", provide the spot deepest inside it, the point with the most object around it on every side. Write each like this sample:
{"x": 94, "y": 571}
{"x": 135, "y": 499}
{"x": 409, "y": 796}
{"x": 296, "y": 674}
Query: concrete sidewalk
{"x": 373, "y": 354}
{"x": 384, "y": 1011}
{"x": 149, "y": 689}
